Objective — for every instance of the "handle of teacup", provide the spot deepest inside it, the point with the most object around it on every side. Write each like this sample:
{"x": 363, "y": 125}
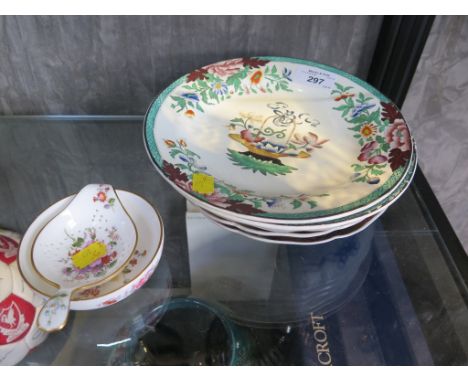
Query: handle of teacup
{"x": 54, "y": 314}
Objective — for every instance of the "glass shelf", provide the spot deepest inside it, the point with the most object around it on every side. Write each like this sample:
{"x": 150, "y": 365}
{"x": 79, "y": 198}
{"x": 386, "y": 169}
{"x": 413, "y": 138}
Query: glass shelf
{"x": 394, "y": 294}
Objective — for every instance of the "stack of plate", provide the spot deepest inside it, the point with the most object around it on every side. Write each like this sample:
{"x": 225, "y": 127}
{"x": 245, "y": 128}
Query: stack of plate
{"x": 280, "y": 149}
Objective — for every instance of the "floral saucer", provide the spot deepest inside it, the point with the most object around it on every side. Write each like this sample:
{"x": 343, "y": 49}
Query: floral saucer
{"x": 138, "y": 270}
{"x": 278, "y": 139}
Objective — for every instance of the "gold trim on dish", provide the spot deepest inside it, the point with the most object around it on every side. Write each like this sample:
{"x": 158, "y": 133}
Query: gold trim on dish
{"x": 53, "y": 330}
{"x": 21, "y": 243}
{"x": 158, "y": 248}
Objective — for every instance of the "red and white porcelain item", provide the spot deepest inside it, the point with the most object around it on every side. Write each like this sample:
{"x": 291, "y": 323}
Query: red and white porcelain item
{"x": 19, "y": 306}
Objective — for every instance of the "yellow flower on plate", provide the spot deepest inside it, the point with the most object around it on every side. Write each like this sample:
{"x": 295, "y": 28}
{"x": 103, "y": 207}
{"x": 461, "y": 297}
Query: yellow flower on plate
{"x": 368, "y": 130}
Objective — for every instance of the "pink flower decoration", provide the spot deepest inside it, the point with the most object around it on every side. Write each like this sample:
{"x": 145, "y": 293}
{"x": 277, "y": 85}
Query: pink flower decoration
{"x": 303, "y": 197}
{"x": 377, "y": 159}
{"x": 185, "y": 185}
{"x": 363, "y": 156}
{"x": 142, "y": 281}
{"x": 398, "y": 135}
{"x": 366, "y": 151}
{"x": 102, "y": 196}
{"x": 218, "y": 199}
{"x": 249, "y": 137}
{"x": 225, "y": 68}
{"x": 369, "y": 146}
{"x": 311, "y": 141}
{"x": 109, "y": 302}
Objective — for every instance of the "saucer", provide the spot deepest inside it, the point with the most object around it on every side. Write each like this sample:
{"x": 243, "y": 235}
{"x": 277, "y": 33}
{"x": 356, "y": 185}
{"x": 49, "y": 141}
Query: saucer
{"x": 139, "y": 269}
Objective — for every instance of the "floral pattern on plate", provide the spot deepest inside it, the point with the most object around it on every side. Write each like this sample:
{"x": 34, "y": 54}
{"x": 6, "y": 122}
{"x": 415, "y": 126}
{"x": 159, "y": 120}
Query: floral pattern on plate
{"x": 54, "y": 305}
{"x": 101, "y": 265}
{"x": 125, "y": 293}
{"x": 380, "y": 130}
{"x": 358, "y": 152}
{"x": 136, "y": 257}
{"x": 224, "y": 195}
{"x": 134, "y": 261}
{"x": 217, "y": 82}
{"x": 268, "y": 139}
{"x": 102, "y": 197}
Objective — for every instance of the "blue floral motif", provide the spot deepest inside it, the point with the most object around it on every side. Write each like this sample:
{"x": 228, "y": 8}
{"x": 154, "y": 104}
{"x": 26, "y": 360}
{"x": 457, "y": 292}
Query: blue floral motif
{"x": 190, "y": 96}
{"x": 358, "y": 110}
{"x": 192, "y": 162}
{"x": 271, "y": 202}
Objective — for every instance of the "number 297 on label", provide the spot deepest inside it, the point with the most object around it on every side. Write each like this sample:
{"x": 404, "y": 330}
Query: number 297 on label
{"x": 315, "y": 80}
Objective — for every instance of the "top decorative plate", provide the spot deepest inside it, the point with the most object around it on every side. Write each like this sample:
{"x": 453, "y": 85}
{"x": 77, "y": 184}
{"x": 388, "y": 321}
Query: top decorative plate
{"x": 278, "y": 138}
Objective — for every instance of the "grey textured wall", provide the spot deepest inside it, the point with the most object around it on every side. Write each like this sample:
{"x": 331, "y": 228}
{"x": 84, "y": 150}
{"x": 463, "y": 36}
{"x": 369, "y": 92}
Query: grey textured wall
{"x": 116, "y": 65}
{"x": 436, "y": 108}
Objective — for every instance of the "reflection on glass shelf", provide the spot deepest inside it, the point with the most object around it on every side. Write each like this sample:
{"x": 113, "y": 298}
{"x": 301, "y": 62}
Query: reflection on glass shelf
{"x": 265, "y": 284}
{"x": 339, "y": 303}
{"x": 92, "y": 335}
